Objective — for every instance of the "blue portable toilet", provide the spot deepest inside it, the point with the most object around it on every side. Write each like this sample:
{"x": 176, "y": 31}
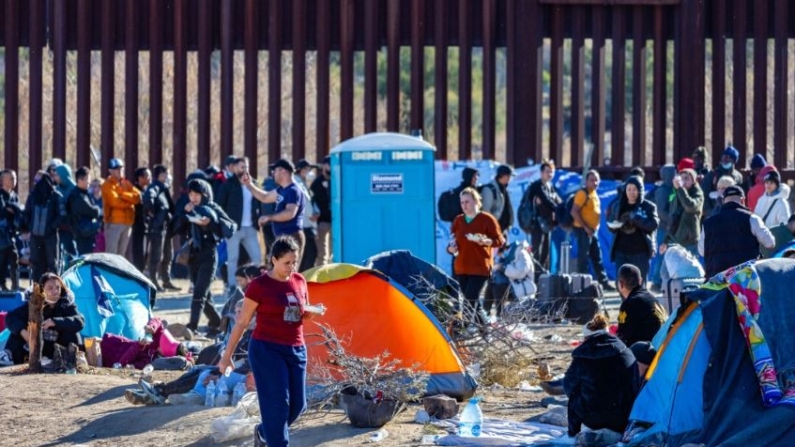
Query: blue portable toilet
{"x": 382, "y": 197}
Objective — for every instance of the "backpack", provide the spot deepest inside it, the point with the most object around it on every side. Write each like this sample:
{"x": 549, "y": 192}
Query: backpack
{"x": 527, "y": 213}
{"x": 563, "y": 210}
{"x": 449, "y": 205}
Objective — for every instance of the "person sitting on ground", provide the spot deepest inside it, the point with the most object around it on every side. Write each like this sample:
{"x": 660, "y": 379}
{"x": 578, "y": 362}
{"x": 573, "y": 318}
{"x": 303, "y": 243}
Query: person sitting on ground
{"x": 644, "y": 353}
{"x": 139, "y": 353}
{"x": 601, "y": 382}
{"x": 191, "y": 387}
{"x": 243, "y": 276}
{"x": 784, "y": 235}
{"x": 640, "y": 315}
{"x": 61, "y": 321}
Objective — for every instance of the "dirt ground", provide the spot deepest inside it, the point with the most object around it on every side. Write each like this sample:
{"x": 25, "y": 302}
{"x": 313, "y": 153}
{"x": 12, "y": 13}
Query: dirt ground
{"x": 90, "y": 410}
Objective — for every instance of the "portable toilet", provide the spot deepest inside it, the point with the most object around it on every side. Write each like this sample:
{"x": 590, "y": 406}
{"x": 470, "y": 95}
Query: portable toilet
{"x": 382, "y": 197}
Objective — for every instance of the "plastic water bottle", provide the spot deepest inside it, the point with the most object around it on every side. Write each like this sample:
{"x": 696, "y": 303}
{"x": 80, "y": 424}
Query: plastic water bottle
{"x": 209, "y": 398}
{"x": 238, "y": 393}
{"x": 221, "y": 394}
{"x": 471, "y": 419}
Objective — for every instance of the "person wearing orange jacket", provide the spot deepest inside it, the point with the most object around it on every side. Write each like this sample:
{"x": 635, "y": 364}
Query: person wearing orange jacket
{"x": 119, "y": 198}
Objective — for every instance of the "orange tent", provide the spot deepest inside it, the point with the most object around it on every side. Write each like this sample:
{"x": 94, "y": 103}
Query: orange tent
{"x": 376, "y": 314}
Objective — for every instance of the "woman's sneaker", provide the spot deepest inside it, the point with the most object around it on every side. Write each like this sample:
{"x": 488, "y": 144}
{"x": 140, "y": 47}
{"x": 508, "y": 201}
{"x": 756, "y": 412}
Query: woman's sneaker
{"x": 189, "y": 398}
{"x": 136, "y": 397}
{"x": 154, "y": 396}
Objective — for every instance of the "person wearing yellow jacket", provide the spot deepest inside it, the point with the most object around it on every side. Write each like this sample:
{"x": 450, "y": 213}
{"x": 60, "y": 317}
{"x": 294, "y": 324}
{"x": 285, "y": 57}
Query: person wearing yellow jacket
{"x": 119, "y": 198}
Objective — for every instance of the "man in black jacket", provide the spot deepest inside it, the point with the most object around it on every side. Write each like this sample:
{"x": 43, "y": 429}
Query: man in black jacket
{"x": 545, "y": 198}
{"x": 10, "y": 219}
{"x": 640, "y": 315}
{"x": 321, "y": 212}
{"x": 83, "y": 214}
{"x": 732, "y": 236}
{"x": 143, "y": 177}
{"x": 240, "y": 204}
{"x": 158, "y": 207}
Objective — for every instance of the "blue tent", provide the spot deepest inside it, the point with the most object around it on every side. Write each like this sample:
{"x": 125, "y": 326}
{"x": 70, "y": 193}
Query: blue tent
{"x": 702, "y": 387}
{"x": 112, "y": 295}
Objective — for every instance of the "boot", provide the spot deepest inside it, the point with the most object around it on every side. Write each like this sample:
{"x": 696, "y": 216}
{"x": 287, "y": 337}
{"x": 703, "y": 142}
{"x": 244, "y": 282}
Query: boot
{"x": 168, "y": 285}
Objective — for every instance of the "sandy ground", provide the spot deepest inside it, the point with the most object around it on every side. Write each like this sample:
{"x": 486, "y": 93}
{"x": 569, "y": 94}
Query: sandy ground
{"x": 90, "y": 410}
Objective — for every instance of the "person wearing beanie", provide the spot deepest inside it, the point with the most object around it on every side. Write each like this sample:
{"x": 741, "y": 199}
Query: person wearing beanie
{"x": 496, "y": 200}
{"x": 732, "y": 236}
{"x": 208, "y": 225}
{"x": 784, "y": 234}
{"x": 640, "y": 315}
{"x": 633, "y": 222}
{"x": 685, "y": 163}
{"x": 601, "y": 382}
{"x": 757, "y": 163}
{"x": 685, "y": 212}
{"x": 728, "y": 160}
{"x": 773, "y": 206}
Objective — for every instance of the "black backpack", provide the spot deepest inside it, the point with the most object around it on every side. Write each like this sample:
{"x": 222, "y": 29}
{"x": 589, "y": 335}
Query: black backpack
{"x": 563, "y": 210}
{"x": 527, "y": 213}
{"x": 449, "y": 205}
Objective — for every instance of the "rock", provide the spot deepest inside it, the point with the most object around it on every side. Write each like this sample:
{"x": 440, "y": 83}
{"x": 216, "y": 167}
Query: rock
{"x": 555, "y": 400}
{"x": 179, "y": 330}
{"x": 440, "y": 406}
{"x": 557, "y": 415}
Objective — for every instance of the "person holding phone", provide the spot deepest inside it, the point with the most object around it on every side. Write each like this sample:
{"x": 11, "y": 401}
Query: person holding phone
{"x": 277, "y": 351}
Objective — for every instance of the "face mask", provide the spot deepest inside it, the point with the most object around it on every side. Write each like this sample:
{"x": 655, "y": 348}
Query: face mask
{"x": 310, "y": 176}
{"x": 726, "y": 165}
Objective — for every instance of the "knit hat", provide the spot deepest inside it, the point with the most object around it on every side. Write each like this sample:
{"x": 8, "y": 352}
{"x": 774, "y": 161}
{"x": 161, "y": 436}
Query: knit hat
{"x": 732, "y": 153}
{"x": 685, "y": 163}
{"x": 644, "y": 352}
{"x": 638, "y": 182}
{"x": 758, "y": 161}
{"x": 773, "y": 176}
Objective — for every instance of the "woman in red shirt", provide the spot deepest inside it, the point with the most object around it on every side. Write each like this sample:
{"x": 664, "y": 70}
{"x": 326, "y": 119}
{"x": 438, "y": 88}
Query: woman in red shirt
{"x": 474, "y": 235}
{"x": 277, "y": 353}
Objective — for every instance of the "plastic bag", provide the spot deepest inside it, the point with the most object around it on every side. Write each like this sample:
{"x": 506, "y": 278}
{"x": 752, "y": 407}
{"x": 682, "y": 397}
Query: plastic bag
{"x": 240, "y": 423}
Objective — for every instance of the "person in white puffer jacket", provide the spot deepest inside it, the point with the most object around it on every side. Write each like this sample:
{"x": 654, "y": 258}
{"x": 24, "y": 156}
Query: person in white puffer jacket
{"x": 773, "y": 205}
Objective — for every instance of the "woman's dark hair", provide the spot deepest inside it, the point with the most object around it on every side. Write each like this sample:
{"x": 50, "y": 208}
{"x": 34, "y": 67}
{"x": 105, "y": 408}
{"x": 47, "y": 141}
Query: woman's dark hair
{"x": 82, "y": 173}
{"x": 249, "y": 271}
{"x": 49, "y": 276}
{"x": 282, "y": 246}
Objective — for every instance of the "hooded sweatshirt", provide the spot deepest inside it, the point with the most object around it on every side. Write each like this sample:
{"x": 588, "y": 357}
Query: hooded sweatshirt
{"x": 759, "y": 188}
{"x": 664, "y": 195}
{"x": 601, "y": 383}
{"x": 774, "y": 208}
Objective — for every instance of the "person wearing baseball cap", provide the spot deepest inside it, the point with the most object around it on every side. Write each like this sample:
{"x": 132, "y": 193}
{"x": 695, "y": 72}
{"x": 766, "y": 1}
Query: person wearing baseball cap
{"x": 119, "y": 198}
{"x": 732, "y": 236}
{"x": 289, "y": 200}
{"x": 728, "y": 160}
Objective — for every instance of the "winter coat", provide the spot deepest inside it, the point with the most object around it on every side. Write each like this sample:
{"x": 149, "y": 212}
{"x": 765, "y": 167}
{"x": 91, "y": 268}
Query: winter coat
{"x": 208, "y": 235}
{"x": 230, "y": 198}
{"x": 497, "y": 203}
{"x": 68, "y": 320}
{"x": 517, "y": 270}
{"x": 81, "y": 211}
{"x": 158, "y": 206}
{"x": 601, "y": 383}
{"x": 664, "y": 195}
{"x": 321, "y": 197}
{"x": 758, "y": 190}
{"x": 710, "y": 183}
{"x": 642, "y": 216}
{"x": 119, "y": 199}
{"x": 686, "y": 216}
{"x": 774, "y": 208}
{"x": 42, "y": 215}
{"x": 122, "y": 350}
{"x": 548, "y": 199}
{"x": 10, "y": 218}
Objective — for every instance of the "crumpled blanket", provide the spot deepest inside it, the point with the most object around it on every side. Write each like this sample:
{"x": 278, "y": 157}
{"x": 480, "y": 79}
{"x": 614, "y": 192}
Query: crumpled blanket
{"x": 499, "y": 432}
{"x": 744, "y": 284}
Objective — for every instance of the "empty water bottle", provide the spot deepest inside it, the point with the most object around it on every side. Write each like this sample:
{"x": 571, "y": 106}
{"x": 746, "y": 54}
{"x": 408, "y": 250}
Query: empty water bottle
{"x": 238, "y": 393}
{"x": 471, "y": 420}
{"x": 148, "y": 369}
{"x": 221, "y": 394}
{"x": 209, "y": 398}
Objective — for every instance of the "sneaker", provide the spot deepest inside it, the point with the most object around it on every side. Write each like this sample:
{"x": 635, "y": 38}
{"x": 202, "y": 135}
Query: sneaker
{"x": 189, "y": 398}
{"x": 168, "y": 285}
{"x": 258, "y": 442}
{"x": 212, "y": 333}
{"x": 136, "y": 397}
{"x": 154, "y": 395}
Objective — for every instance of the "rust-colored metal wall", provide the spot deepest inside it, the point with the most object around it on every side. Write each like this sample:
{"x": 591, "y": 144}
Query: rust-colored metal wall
{"x": 547, "y": 111}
